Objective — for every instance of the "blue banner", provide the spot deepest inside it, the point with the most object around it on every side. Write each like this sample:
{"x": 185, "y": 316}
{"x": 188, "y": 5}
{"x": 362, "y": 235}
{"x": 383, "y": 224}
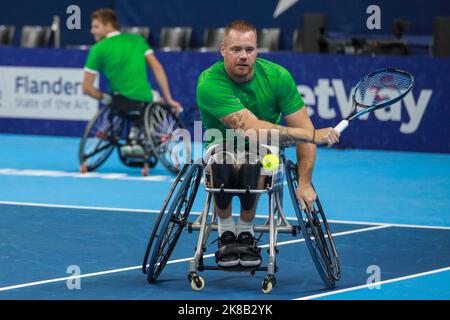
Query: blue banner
{"x": 418, "y": 123}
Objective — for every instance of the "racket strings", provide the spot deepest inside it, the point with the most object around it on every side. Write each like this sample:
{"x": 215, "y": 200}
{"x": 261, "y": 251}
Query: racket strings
{"x": 381, "y": 87}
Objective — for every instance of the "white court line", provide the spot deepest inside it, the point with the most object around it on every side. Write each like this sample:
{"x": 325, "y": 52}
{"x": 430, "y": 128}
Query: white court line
{"x": 87, "y": 275}
{"x": 31, "y": 204}
{"x": 399, "y": 225}
{"x": 366, "y": 286}
{"x": 45, "y": 205}
{"x": 88, "y": 175}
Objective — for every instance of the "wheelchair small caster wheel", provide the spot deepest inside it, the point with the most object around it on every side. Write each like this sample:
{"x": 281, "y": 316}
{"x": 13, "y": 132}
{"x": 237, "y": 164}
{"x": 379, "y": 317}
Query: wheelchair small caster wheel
{"x": 83, "y": 168}
{"x": 144, "y": 172}
{"x": 197, "y": 282}
{"x": 268, "y": 284}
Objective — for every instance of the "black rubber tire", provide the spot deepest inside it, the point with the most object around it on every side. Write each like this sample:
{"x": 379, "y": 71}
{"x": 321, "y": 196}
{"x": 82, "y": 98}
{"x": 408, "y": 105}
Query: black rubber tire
{"x": 107, "y": 134}
{"x": 321, "y": 248}
{"x": 170, "y": 223}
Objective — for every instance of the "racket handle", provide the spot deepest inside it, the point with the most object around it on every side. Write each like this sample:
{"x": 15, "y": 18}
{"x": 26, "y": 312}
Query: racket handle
{"x": 341, "y": 126}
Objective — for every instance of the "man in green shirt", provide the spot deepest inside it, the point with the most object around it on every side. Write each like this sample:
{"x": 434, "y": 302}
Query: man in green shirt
{"x": 243, "y": 92}
{"x": 122, "y": 58}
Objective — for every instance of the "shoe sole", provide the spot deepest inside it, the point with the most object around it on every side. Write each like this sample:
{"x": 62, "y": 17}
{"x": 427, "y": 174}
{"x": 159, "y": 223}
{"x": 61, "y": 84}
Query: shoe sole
{"x": 125, "y": 151}
{"x": 252, "y": 263}
{"x": 137, "y": 151}
{"x": 228, "y": 264}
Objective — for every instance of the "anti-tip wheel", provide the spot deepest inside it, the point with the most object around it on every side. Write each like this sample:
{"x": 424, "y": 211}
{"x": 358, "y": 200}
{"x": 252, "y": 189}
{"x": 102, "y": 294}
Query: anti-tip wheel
{"x": 144, "y": 172}
{"x": 197, "y": 283}
{"x": 83, "y": 168}
{"x": 268, "y": 284}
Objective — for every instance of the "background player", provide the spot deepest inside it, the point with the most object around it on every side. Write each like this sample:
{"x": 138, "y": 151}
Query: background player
{"x": 122, "y": 58}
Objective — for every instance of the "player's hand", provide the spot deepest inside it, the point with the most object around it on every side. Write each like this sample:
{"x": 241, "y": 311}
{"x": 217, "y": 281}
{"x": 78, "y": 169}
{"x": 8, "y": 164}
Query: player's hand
{"x": 176, "y": 106}
{"x": 306, "y": 195}
{"x": 106, "y": 99}
{"x": 327, "y": 136}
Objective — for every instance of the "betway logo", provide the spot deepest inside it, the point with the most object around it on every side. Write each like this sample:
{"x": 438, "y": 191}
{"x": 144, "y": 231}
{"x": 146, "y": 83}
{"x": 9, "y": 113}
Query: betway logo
{"x": 320, "y": 95}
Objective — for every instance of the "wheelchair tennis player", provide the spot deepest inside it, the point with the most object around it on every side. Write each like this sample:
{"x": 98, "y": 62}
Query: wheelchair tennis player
{"x": 245, "y": 92}
{"x": 122, "y": 58}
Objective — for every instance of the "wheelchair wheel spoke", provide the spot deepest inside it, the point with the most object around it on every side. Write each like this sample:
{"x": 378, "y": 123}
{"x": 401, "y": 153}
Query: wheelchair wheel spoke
{"x": 169, "y": 128}
{"x": 161, "y": 125}
{"x": 99, "y": 138}
{"x": 158, "y": 126}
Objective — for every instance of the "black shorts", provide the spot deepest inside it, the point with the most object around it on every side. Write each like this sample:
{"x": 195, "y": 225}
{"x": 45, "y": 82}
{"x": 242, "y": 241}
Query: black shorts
{"x": 235, "y": 175}
{"x": 129, "y": 108}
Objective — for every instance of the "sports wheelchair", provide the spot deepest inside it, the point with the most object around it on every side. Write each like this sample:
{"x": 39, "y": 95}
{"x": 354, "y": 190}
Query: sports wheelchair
{"x": 173, "y": 219}
{"x": 110, "y": 128}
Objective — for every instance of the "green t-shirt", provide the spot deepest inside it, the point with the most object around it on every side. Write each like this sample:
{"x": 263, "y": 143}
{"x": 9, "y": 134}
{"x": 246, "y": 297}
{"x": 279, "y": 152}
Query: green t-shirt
{"x": 271, "y": 93}
{"x": 121, "y": 58}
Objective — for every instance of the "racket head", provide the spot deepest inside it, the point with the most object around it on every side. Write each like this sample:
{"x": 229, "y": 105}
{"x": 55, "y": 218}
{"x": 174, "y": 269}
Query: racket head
{"x": 382, "y": 88}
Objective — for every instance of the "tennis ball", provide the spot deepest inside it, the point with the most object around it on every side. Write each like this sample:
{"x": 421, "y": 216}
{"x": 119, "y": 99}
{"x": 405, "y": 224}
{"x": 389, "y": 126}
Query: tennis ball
{"x": 270, "y": 162}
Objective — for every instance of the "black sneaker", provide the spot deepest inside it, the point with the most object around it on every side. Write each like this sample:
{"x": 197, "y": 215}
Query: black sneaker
{"x": 249, "y": 253}
{"x": 227, "y": 256}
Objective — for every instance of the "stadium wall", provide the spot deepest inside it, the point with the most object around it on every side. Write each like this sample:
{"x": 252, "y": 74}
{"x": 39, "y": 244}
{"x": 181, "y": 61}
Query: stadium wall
{"x": 344, "y": 16}
{"x": 40, "y": 93}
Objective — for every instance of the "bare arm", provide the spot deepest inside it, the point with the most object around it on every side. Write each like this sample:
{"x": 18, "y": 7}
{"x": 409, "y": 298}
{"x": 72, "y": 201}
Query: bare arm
{"x": 306, "y": 152}
{"x": 88, "y": 86}
{"x": 245, "y": 120}
{"x": 161, "y": 79}
{"x": 306, "y": 157}
{"x": 299, "y": 132}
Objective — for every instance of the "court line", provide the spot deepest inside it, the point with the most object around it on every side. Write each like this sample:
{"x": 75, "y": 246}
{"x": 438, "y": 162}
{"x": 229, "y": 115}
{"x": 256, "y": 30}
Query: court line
{"x": 399, "y": 225}
{"x": 33, "y": 204}
{"x": 88, "y": 175}
{"x": 88, "y": 275}
{"x": 45, "y": 205}
{"x": 366, "y": 286}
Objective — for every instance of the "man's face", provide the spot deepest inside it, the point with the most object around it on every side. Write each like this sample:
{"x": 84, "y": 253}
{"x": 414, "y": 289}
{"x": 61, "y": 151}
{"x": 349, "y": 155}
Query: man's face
{"x": 239, "y": 54}
{"x": 99, "y": 30}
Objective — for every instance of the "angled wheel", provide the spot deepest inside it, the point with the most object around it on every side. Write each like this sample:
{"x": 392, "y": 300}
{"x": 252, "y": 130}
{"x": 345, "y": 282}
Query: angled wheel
{"x": 171, "y": 220}
{"x": 164, "y": 129}
{"x": 316, "y": 232}
{"x": 99, "y": 139}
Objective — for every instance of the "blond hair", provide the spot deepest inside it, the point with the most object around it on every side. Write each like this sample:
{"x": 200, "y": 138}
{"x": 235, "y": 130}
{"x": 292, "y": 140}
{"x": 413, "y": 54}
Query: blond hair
{"x": 239, "y": 25}
{"x": 106, "y": 15}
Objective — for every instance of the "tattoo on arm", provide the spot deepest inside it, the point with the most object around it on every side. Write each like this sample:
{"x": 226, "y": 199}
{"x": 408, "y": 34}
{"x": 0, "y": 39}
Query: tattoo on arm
{"x": 245, "y": 119}
{"x": 234, "y": 120}
{"x": 286, "y": 137}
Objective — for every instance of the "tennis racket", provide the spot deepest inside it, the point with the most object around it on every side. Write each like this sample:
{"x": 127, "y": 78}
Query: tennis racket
{"x": 377, "y": 90}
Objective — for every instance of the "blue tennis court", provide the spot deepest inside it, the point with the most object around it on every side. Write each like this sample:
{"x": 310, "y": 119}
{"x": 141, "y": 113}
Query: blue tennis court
{"x": 391, "y": 214}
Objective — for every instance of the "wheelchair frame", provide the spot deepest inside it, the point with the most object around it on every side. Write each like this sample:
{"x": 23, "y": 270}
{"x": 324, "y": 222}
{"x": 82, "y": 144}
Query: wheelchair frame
{"x": 313, "y": 225}
{"x": 275, "y": 193}
{"x": 116, "y": 131}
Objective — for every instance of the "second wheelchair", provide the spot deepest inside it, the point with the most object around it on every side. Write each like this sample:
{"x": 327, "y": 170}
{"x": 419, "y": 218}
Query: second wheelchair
{"x": 111, "y": 128}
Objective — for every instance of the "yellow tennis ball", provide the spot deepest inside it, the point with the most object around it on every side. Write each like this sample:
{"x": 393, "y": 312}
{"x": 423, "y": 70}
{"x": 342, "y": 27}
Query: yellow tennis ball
{"x": 270, "y": 162}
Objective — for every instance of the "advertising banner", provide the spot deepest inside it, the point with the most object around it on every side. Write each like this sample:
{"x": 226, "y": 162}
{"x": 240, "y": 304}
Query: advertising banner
{"x": 44, "y": 93}
{"x": 40, "y": 96}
